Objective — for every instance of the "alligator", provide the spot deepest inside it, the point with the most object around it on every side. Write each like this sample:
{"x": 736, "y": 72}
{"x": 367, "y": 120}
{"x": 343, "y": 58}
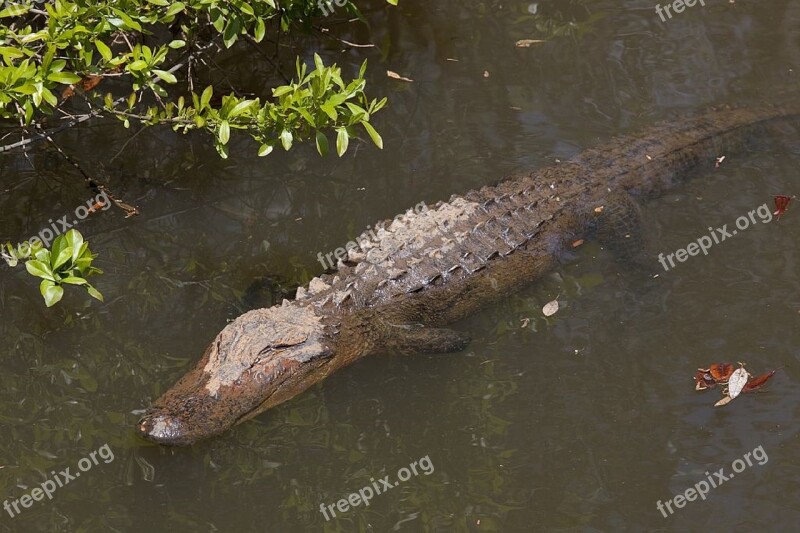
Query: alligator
{"x": 400, "y": 284}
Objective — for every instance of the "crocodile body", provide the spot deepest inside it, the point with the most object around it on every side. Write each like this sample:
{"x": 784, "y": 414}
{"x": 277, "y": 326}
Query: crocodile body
{"x": 426, "y": 268}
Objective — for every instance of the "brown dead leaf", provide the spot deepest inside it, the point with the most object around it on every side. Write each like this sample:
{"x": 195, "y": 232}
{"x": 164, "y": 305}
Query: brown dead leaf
{"x": 90, "y": 82}
{"x": 758, "y": 381}
{"x": 86, "y": 84}
{"x": 721, "y": 371}
{"x": 577, "y": 243}
{"x": 396, "y": 76}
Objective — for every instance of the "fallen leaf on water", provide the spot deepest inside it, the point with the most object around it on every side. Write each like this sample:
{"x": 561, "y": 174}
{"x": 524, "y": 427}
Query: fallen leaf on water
{"x": 550, "y": 308}
{"x": 724, "y": 401}
{"x": 758, "y": 381}
{"x": 781, "y": 205}
{"x": 737, "y": 381}
{"x": 703, "y": 380}
{"x": 396, "y": 76}
{"x": 577, "y": 243}
{"x": 721, "y": 371}
{"x": 526, "y": 43}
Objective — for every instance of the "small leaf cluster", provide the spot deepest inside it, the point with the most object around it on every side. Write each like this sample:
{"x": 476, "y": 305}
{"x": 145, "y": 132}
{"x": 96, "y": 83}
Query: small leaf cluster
{"x": 68, "y": 262}
{"x": 319, "y": 100}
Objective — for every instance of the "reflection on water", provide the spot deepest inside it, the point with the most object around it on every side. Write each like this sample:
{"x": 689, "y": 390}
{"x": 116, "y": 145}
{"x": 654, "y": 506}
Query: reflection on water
{"x": 582, "y": 420}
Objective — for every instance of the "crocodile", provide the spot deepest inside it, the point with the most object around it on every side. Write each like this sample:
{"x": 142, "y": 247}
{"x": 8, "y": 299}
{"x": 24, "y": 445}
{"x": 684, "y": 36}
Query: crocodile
{"x": 402, "y": 282}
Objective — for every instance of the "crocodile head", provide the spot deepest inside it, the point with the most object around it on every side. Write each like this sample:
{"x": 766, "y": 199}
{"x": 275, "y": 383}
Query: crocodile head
{"x": 259, "y": 360}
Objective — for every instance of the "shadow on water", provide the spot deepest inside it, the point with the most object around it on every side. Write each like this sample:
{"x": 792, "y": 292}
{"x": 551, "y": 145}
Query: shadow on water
{"x": 580, "y": 421}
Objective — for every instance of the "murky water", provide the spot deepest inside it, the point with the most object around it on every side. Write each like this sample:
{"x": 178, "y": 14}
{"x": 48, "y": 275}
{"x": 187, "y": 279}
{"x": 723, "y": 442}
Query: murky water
{"x": 583, "y": 421}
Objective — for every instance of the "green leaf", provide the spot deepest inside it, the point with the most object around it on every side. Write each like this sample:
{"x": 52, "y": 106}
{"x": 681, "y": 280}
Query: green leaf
{"x": 286, "y": 139}
{"x": 330, "y": 111}
{"x": 265, "y": 149}
{"x": 62, "y": 256}
{"x": 9, "y": 52}
{"x": 175, "y": 8}
{"x": 260, "y": 30}
{"x": 71, "y": 280}
{"x": 239, "y": 108}
{"x": 94, "y": 293}
{"x": 277, "y": 92}
{"x": 49, "y": 97}
{"x": 224, "y": 132}
{"x": 28, "y": 112}
{"x": 104, "y": 50}
{"x": 137, "y": 65}
{"x": 322, "y": 144}
{"x": 40, "y": 269}
{"x": 306, "y": 115}
{"x": 64, "y": 77}
{"x": 166, "y": 76}
{"x": 374, "y": 135}
{"x": 75, "y": 241}
{"x": 14, "y": 10}
{"x": 205, "y": 98}
{"x": 177, "y": 43}
{"x": 222, "y": 150}
{"x": 342, "y": 141}
{"x": 52, "y": 293}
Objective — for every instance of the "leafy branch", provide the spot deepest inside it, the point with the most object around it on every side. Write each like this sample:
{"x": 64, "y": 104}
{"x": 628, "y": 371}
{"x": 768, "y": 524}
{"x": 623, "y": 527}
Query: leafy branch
{"x": 69, "y": 262}
{"x": 80, "y": 43}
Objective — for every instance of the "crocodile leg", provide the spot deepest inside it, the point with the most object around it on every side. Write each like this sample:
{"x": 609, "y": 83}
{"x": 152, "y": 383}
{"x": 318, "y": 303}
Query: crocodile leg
{"x": 618, "y": 226}
{"x": 415, "y": 339}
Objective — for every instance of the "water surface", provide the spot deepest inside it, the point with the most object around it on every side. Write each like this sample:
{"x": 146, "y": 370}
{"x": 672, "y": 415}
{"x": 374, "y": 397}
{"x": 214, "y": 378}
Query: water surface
{"x": 579, "y": 422}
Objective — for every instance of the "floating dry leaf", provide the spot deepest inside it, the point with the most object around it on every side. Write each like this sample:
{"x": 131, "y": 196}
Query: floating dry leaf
{"x": 396, "y": 76}
{"x": 703, "y": 380}
{"x": 550, "y": 308}
{"x": 781, "y": 205}
{"x": 724, "y": 401}
{"x": 737, "y": 381}
{"x": 756, "y": 382}
{"x": 721, "y": 371}
{"x": 526, "y": 43}
{"x": 577, "y": 243}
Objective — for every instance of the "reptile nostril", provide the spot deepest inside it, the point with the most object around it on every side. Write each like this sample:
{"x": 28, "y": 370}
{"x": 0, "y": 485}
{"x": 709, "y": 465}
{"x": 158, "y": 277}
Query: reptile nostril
{"x": 163, "y": 429}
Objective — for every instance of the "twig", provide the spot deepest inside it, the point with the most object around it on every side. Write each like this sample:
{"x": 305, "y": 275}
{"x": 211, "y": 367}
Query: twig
{"x": 93, "y": 183}
{"x": 326, "y": 33}
{"x": 263, "y": 54}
